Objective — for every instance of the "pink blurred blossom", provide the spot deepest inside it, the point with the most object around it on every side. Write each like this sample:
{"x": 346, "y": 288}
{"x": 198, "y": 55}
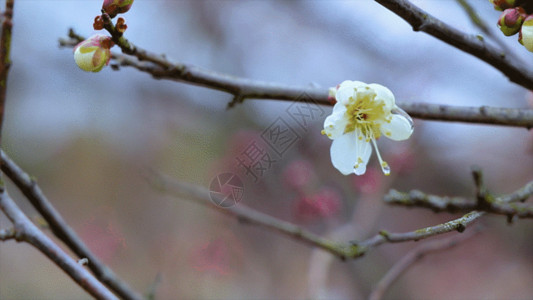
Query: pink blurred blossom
{"x": 103, "y": 238}
{"x": 369, "y": 182}
{"x": 323, "y": 204}
{"x": 403, "y": 160}
{"x": 212, "y": 256}
{"x": 298, "y": 174}
{"x": 221, "y": 255}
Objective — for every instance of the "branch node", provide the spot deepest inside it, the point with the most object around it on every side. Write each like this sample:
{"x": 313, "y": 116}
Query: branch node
{"x": 237, "y": 99}
{"x": 385, "y": 234}
{"x": 7, "y": 234}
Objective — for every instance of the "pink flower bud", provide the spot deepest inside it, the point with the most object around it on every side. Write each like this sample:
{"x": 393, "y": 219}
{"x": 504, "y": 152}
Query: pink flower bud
{"x": 94, "y": 53}
{"x": 503, "y": 4}
{"x": 114, "y": 7}
{"x": 526, "y": 33}
{"x": 511, "y": 20}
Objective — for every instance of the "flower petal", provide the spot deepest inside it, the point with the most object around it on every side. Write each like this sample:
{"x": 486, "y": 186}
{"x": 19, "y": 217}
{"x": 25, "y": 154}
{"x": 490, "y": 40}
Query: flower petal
{"x": 364, "y": 149}
{"x": 383, "y": 94}
{"x": 348, "y": 150}
{"x": 400, "y": 128}
{"x": 346, "y": 90}
{"x": 335, "y": 124}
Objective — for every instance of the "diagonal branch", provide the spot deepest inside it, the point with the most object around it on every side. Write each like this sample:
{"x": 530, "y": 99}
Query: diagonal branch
{"x": 243, "y": 88}
{"x": 422, "y": 21}
{"x": 411, "y": 258}
{"x": 62, "y": 230}
{"x": 25, "y": 230}
{"x": 349, "y": 250}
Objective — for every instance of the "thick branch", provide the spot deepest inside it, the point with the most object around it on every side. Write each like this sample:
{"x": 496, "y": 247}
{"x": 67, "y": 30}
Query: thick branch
{"x": 422, "y": 21}
{"x": 350, "y": 250}
{"x": 26, "y": 231}
{"x": 62, "y": 230}
{"x": 243, "y": 88}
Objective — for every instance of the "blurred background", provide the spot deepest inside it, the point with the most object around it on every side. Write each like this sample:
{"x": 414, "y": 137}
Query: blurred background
{"x": 89, "y": 139}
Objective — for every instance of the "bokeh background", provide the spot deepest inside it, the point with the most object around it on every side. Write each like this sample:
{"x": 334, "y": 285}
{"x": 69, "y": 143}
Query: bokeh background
{"x": 89, "y": 139}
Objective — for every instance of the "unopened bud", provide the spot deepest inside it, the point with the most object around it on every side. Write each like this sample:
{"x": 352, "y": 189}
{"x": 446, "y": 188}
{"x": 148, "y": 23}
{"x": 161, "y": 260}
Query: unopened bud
{"x": 526, "y": 33}
{"x": 114, "y": 7}
{"x": 511, "y": 20}
{"x": 94, "y": 53}
{"x": 503, "y": 4}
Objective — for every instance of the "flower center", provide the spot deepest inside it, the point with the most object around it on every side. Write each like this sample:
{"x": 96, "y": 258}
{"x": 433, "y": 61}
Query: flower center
{"x": 366, "y": 114}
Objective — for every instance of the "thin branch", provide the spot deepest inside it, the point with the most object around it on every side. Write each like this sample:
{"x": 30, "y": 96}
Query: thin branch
{"x": 350, "y": 250}
{"x": 62, "y": 230}
{"x": 411, "y": 258}
{"x": 422, "y": 21}
{"x": 243, "y": 88}
{"x": 484, "y": 201}
{"x": 479, "y": 23}
{"x": 458, "y": 225}
{"x": 5, "y": 59}
{"x": 475, "y": 18}
{"x": 129, "y": 48}
{"x": 26, "y": 231}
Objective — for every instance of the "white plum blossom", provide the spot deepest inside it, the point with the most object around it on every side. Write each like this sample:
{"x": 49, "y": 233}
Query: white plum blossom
{"x": 362, "y": 114}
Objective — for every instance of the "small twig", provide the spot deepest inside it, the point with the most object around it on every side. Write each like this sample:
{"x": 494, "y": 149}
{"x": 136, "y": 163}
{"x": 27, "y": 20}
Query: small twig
{"x": 62, "y": 230}
{"x": 150, "y": 295}
{"x": 412, "y": 257}
{"x": 243, "y": 88}
{"x": 350, "y": 250}
{"x": 7, "y": 234}
{"x": 481, "y": 192}
{"x": 484, "y": 201}
{"x": 422, "y": 21}
{"x": 26, "y": 231}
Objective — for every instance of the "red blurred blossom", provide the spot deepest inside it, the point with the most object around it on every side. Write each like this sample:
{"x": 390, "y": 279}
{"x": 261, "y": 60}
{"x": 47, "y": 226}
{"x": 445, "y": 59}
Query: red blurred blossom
{"x": 324, "y": 204}
{"x": 298, "y": 174}
{"x": 369, "y": 182}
